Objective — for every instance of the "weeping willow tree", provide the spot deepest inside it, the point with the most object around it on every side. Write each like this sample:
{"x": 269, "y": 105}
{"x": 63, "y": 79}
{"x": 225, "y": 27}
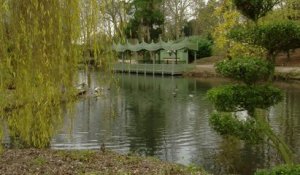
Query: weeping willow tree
{"x": 39, "y": 51}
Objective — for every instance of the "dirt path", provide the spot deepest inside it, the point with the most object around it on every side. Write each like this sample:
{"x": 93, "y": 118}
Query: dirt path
{"x": 286, "y": 68}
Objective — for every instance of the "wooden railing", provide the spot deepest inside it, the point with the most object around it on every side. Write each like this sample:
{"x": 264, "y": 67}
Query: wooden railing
{"x": 162, "y": 69}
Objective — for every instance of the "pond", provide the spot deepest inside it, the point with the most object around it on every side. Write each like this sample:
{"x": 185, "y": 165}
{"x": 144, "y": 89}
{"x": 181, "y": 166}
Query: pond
{"x": 167, "y": 117}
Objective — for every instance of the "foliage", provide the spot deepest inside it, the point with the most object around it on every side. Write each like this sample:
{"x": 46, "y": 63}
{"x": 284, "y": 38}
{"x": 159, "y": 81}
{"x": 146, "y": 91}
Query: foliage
{"x": 205, "y": 45}
{"x": 178, "y": 13}
{"x": 292, "y": 9}
{"x": 204, "y": 48}
{"x": 247, "y": 97}
{"x": 281, "y": 170}
{"x": 238, "y": 49}
{"x": 228, "y": 18}
{"x": 242, "y": 97}
{"x": 255, "y": 9}
{"x": 38, "y": 63}
{"x": 146, "y": 15}
{"x": 189, "y": 28}
{"x": 28, "y": 131}
{"x": 114, "y": 14}
{"x": 39, "y": 60}
{"x": 229, "y": 125}
{"x": 274, "y": 37}
{"x": 286, "y": 10}
{"x": 246, "y": 69}
{"x": 206, "y": 20}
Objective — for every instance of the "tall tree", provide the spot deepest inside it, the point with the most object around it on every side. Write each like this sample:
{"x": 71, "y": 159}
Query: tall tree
{"x": 177, "y": 13}
{"x": 146, "y": 20}
{"x": 206, "y": 19}
{"x": 116, "y": 17}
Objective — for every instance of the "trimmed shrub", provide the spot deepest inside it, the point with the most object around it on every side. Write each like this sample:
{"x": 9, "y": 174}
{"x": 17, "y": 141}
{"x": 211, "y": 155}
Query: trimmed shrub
{"x": 227, "y": 124}
{"x": 232, "y": 98}
{"x": 246, "y": 69}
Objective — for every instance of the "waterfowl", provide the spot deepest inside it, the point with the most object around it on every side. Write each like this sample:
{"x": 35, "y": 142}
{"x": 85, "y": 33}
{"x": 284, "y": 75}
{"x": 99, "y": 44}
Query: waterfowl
{"x": 82, "y": 89}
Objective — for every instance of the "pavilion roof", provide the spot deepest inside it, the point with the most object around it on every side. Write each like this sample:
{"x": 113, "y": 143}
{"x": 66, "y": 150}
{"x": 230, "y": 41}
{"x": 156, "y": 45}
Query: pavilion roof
{"x": 185, "y": 43}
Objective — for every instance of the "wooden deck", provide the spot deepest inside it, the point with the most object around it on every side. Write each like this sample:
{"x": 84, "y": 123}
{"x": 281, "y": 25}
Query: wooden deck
{"x": 153, "y": 69}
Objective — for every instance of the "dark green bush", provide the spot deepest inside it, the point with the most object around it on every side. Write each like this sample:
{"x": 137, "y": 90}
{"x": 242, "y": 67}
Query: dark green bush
{"x": 281, "y": 170}
{"x": 247, "y": 69}
{"x": 236, "y": 97}
{"x": 204, "y": 48}
{"x": 274, "y": 37}
{"x": 228, "y": 125}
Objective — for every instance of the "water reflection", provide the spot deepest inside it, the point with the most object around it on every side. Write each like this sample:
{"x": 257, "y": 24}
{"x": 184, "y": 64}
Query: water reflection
{"x": 168, "y": 118}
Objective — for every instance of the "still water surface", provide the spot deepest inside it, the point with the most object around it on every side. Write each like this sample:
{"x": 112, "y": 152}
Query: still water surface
{"x": 168, "y": 118}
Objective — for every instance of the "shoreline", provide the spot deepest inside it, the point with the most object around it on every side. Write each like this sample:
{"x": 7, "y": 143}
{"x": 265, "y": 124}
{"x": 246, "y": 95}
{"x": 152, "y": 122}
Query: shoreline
{"x": 48, "y": 161}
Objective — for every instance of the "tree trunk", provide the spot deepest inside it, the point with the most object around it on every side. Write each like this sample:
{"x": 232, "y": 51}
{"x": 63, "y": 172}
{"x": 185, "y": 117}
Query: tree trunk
{"x": 282, "y": 148}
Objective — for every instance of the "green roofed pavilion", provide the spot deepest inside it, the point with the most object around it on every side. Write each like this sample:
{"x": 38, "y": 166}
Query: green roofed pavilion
{"x": 164, "y": 56}
{"x": 185, "y": 43}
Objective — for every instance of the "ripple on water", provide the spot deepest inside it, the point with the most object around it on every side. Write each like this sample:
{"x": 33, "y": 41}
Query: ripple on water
{"x": 149, "y": 120}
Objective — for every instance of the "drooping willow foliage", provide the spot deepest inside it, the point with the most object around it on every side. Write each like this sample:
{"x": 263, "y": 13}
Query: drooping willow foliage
{"x": 41, "y": 44}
